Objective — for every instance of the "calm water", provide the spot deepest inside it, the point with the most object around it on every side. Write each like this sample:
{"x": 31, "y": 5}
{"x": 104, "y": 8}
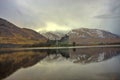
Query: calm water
{"x": 61, "y": 64}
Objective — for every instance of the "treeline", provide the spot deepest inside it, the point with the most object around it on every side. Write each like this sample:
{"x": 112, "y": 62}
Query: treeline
{"x": 50, "y": 43}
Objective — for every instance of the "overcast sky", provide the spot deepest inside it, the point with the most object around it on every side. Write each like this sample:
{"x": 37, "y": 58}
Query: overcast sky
{"x": 52, "y": 15}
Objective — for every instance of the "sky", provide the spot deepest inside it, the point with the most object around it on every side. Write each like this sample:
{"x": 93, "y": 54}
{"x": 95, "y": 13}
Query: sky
{"x": 62, "y": 15}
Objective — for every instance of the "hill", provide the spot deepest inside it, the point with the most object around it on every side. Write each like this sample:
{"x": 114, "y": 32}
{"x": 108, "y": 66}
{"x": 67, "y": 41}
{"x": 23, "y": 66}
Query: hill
{"x": 11, "y": 34}
{"x": 85, "y": 36}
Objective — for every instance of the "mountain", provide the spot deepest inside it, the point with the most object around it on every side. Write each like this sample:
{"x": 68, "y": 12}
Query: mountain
{"x": 92, "y": 36}
{"x": 92, "y": 33}
{"x": 53, "y": 35}
{"x": 11, "y": 34}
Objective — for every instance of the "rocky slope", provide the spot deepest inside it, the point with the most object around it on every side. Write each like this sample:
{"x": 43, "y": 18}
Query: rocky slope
{"x": 92, "y": 36}
{"x": 11, "y": 34}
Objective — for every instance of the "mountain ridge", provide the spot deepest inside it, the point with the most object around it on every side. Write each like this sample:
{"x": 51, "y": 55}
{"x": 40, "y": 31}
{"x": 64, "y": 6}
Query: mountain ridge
{"x": 12, "y": 34}
{"x": 96, "y": 33}
{"x": 53, "y": 35}
{"x": 92, "y": 36}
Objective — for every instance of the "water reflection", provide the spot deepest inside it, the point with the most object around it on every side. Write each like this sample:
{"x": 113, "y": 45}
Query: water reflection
{"x": 69, "y": 62}
{"x": 12, "y": 61}
{"x": 93, "y": 54}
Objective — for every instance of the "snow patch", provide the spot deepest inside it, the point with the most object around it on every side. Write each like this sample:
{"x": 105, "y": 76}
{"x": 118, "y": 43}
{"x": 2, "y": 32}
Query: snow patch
{"x": 82, "y": 36}
{"x": 100, "y": 34}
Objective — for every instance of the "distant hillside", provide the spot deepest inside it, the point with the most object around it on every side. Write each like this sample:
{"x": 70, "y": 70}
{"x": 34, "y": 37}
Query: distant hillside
{"x": 92, "y": 36}
{"x": 11, "y": 34}
{"x": 53, "y": 35}
{"x": 84, "y": 36}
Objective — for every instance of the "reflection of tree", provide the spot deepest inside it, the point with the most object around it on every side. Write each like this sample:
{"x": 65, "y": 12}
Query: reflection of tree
{"x": 10, "y": 62}
{"x": 64, "y": 53}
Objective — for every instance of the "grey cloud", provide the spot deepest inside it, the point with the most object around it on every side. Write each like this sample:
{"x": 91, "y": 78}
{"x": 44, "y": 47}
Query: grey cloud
{"x": 73, "y": 13}
{"x": 108, "y": 16}
{"x": 113, "y": 12}
{"x": 111, "y": 19}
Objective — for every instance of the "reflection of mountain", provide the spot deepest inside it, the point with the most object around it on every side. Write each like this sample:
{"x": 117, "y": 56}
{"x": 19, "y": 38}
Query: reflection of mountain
{"x": 93, "y": 54}
{"x": 56, "y": 55}
{"x": 87, "y": 55}
{"x": 10, "y": 62}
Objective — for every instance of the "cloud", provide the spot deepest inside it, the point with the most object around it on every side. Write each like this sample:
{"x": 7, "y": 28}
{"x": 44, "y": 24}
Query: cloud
{"x": 113, "y": 11}
{"x": 72, "y": 13}
{"x": 108, "y": 16}
{"x": 39, "y": 14}
{"x": 111, "y": 19}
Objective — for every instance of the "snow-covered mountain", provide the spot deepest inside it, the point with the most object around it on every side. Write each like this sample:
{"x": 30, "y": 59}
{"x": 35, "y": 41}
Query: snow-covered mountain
{"x": 84, "y": 36}
{"x": 53, "y": 35}
{"x": 91, "y": 33}
{"x": 92, "y": 36}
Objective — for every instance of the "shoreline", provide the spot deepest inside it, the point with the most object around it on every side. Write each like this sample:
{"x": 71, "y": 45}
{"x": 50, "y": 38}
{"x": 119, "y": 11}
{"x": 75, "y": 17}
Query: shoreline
{"x": 68, "y": 47}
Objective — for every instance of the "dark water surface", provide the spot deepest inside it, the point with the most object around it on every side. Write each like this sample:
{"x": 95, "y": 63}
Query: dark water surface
{"x": 61, "y": 64}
